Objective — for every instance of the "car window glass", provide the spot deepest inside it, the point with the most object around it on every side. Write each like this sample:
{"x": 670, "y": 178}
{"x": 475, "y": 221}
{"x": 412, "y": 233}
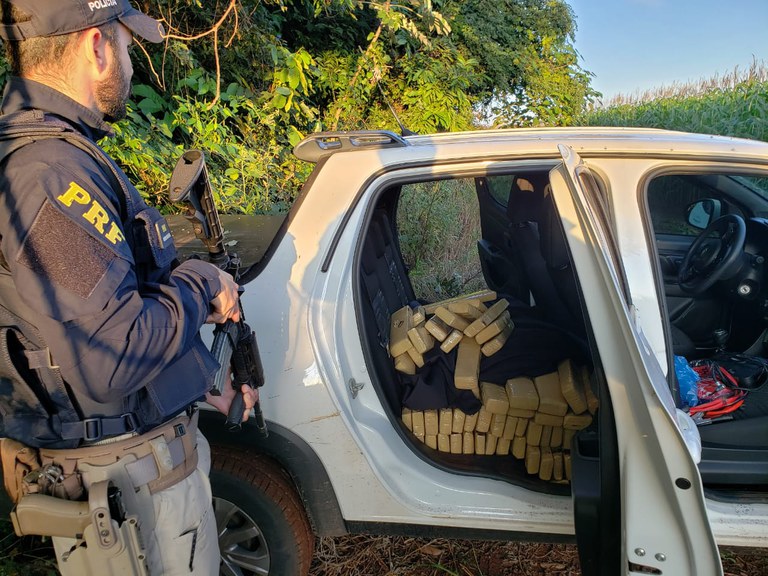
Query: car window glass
{"x": 499, "y": 187}
{"x": 758, "y": 185}
{"x": 438, "y": 226}
{"x": 669, "y": 197}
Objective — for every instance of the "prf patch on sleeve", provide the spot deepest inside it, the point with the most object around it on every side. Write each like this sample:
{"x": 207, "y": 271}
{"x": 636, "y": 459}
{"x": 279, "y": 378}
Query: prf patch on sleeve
{"x": 92, "y": 212}
{"x": 63, "y": 252}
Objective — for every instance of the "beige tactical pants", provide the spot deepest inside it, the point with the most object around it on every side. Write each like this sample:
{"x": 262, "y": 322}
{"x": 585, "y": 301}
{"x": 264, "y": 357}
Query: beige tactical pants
{"x": 177, "y": 524}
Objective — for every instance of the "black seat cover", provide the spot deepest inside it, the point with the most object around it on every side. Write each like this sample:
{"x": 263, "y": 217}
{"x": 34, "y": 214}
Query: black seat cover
{"x": 682, "y": 345}
{"x": 536, "y": 232}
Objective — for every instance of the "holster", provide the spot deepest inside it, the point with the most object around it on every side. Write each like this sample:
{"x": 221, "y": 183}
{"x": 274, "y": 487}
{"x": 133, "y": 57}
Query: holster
{"x": 104, "y": 539}
{"x": 103, "y": 544}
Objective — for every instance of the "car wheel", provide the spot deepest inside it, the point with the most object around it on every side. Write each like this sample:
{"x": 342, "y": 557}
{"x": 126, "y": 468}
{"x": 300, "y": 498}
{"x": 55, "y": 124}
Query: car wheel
{"x": 262, "y": 526}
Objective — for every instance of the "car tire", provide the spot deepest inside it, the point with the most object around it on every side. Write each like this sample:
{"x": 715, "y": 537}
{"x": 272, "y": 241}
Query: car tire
{"x": 262, "y": 526}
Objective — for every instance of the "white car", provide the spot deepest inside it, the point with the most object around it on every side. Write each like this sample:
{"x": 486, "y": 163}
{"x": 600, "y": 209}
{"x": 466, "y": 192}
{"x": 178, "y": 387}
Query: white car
{"x": 584, "y": 232}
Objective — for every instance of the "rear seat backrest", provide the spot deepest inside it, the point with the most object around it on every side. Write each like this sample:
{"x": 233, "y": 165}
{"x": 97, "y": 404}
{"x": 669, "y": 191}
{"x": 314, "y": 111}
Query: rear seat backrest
{"x": 526, "y": 197}
{"x": 399, "y": 292}
{"x": 384, "y": 278}
{"x": 537, "y": 233}
{"x": 386, "y": 288}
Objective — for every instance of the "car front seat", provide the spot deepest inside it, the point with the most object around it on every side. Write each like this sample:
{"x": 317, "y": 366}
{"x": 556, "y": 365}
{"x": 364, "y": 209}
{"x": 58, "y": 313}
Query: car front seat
{"x": 682, "y": 345}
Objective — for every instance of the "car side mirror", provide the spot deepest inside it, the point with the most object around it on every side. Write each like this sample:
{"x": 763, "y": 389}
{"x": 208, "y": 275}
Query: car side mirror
{"x": 702, "y": 213}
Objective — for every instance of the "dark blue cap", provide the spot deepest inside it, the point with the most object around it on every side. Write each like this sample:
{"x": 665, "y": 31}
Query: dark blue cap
{"x": 54, "y": 18}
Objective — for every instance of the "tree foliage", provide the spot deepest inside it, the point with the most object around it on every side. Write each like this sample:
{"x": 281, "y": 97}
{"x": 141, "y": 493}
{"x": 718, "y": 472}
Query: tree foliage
{"x": 529, "y": 66}
{"x": 245, "y": 80}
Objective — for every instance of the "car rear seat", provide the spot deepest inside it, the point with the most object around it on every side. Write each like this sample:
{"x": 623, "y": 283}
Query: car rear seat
{"x": 385, "y": 287}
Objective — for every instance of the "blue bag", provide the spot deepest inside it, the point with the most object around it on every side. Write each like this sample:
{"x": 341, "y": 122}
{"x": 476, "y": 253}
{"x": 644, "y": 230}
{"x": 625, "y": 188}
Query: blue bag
{"x": 688, "y": 382}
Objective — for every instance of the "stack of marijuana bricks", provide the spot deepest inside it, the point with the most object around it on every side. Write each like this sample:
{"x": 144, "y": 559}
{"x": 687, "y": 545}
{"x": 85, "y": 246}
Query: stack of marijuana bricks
{"x": 533, "y": 419}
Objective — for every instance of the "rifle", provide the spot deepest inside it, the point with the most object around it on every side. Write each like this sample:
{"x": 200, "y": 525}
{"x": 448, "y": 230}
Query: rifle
{"x": 234, "y": 343}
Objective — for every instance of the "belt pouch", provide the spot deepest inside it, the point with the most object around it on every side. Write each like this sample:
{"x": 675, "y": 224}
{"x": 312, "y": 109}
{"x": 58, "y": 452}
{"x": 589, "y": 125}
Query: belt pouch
{"x": 18, "y": 461}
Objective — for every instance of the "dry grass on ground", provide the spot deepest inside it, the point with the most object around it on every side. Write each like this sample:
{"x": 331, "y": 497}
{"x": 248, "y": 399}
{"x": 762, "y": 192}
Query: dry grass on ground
{"x": 400, "y": 556}
{"x": 390, "y": 556}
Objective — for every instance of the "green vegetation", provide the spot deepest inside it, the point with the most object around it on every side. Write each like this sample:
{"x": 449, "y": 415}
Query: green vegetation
{"x": 732, "y": 105}
{"x": 245, "y": 80}
{"x": 438, "y": 226}
{"x": 29, "y": 555}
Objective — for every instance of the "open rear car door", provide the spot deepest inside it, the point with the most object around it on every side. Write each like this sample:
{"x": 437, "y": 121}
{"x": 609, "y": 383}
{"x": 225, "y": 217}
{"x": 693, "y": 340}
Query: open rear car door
{"x": 662, "y": 517}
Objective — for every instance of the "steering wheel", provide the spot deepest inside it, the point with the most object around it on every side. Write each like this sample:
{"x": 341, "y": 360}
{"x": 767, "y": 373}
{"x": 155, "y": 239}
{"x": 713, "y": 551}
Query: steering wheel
{"x": 713, "y": 255}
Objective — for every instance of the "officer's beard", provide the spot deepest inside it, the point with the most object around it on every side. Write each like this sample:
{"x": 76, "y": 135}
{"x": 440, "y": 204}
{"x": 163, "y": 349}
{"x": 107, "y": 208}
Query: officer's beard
{"x": 112, "y": 94}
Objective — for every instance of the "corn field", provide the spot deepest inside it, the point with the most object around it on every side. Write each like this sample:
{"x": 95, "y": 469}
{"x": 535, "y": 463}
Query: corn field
{"x": 734, "y": 104}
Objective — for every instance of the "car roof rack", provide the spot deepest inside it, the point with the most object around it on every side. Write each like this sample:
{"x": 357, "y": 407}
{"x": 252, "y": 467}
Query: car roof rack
{"x": 322, "y": 144}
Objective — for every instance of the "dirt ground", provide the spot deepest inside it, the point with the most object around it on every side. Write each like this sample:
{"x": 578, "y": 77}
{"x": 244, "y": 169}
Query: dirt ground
{"x": 399, "y": 556}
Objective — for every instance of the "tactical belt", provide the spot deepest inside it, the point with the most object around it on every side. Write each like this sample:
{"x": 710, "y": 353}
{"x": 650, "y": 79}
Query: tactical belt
{"x": 159, "y": 458}
{"x": 94, "y": 429}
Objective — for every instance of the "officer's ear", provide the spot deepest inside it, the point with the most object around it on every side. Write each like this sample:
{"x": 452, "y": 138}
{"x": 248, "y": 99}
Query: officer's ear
{"x": 95, "y": 50}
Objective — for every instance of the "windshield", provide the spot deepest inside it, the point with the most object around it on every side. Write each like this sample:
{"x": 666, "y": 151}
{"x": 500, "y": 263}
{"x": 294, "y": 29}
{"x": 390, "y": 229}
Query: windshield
{"x": 759, "y": 185}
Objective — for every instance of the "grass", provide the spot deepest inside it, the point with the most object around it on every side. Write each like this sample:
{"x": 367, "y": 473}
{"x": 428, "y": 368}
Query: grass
{"x": 438, "y": 225}
{"x": 401, "y": 556}
{"x": 390, "y": 556}
{"x": 30, "y": 555}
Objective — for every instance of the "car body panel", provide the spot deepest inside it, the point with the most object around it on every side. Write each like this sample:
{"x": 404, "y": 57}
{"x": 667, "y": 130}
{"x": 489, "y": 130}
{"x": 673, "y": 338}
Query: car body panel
{"x": 303, "y": 307}
{"x": 310, "y": 349}
{"x": 475, "y": 502}
{"x": 664, "y": 512}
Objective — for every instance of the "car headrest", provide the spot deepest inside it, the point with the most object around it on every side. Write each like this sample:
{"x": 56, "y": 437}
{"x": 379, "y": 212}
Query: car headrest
{"x": 526, "y": 196}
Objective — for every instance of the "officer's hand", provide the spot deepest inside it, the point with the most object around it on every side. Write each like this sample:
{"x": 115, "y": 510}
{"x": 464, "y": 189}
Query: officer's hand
{"x": 251, "y": 397}
{"x": 222, "y": 403}
{"x": 225, "y": 304}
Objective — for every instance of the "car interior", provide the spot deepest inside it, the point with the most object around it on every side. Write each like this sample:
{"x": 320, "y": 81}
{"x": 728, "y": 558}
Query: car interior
{"x": 711, "y": 236}
{"x": 519, "y": 251}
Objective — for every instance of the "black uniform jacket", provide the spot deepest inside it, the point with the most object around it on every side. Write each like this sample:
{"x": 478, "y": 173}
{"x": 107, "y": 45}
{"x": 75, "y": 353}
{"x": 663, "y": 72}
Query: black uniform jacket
{"x": 94, "y": 265}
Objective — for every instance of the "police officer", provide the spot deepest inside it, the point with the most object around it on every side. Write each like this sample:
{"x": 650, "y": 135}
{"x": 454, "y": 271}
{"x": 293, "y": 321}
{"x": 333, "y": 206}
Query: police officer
{"x": 92, "y": 269}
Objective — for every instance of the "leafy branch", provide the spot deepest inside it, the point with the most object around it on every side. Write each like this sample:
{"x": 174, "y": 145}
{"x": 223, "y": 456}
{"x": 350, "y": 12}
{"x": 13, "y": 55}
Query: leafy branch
{"x": 175, "y": 34}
